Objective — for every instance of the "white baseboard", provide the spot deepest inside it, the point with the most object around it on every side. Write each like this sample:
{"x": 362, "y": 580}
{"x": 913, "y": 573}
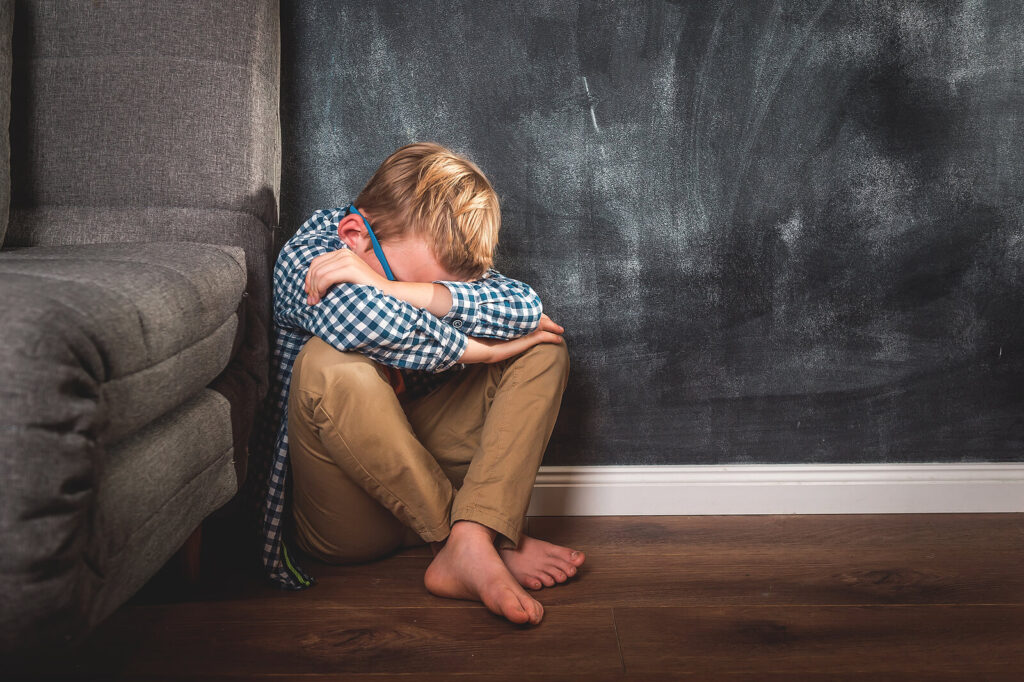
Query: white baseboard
{"x": 778, "y": 489}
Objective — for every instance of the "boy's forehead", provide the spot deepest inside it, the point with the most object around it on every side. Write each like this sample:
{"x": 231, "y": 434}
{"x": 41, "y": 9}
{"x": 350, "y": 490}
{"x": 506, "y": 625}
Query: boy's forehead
{"x": 420, "y": 251}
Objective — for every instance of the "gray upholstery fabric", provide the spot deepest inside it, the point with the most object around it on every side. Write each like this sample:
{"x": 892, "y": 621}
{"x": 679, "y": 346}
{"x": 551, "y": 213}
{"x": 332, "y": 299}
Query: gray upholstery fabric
{"x": 155, "y": 489}
{"x": 158, "y": 318}
{"x": 113, "y": 521}
{"x": 6, "y": 26}
{"x": 153, "y": 124}
{"x": 100, "y": 342}
{"x": 157, "y": 103}
{"x": 86, "y": 225}
{"x": 139, "y": 105}
{"x": 145, "y": 121}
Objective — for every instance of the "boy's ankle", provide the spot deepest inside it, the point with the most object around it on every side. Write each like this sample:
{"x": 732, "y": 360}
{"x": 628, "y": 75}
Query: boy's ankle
{"x": 472, "y": 530}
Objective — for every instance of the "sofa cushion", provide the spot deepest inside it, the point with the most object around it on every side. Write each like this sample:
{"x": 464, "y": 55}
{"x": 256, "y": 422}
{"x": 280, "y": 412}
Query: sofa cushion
{"x": 245, "y": 381}
{"x": 157, "y": 103}
{"x": 111, "y": 336}
{"x": 6, "y": 26}
{"x": 157, "y": 485}
{"x": 101, "y": 346}
{"x": 86, "y": 541}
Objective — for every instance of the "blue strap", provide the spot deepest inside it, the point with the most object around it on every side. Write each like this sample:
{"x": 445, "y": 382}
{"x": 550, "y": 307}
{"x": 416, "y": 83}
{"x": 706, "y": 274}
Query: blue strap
{"x": 351, "y": 208}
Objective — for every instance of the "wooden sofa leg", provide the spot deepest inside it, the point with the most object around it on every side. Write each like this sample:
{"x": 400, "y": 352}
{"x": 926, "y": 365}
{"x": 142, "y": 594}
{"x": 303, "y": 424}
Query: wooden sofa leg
{"x": 189, "y": 556}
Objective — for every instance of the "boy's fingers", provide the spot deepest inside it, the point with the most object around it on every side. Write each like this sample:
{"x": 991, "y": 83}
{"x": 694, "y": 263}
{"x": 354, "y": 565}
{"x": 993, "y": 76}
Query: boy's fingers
{"x": 547, "y": 323}
{"x": 545, "y": 337}
{"x": 315, "y": 268}
{"x": 312, "y": 273}
{"x": 552, "y": 326}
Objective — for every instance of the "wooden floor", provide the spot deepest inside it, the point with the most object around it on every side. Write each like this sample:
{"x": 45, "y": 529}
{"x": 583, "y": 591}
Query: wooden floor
{"x": 874, "y": 597}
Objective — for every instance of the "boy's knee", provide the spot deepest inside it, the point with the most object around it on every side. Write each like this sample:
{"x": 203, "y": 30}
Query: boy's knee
{"x": 550, "y": 357}
{"x": 357, "y": 548}
{"x": 320, "y": 366}
{"x": 356, "y": 375}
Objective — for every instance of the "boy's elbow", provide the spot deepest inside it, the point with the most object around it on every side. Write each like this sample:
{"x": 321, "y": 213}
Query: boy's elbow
{"x": 534, "y": 309}
{"x": 283, "y": 317}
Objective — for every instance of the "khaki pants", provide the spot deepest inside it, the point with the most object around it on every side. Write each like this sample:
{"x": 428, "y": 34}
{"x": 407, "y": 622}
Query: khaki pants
{"x": 372, "y": 474}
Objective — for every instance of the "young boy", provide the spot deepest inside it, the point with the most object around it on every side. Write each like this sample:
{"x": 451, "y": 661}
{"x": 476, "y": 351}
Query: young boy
{"x": 417, "y": 387}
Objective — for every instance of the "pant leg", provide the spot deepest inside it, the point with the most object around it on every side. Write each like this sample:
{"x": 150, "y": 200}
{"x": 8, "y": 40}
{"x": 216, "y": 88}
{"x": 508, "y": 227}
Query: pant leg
{"x": 336, "y": 520}
{"x": 359, "y": 472}
{"x": 488, "y": 429}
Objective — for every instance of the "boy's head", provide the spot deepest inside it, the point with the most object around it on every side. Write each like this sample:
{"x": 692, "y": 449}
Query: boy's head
{"x": 425, "y": 190}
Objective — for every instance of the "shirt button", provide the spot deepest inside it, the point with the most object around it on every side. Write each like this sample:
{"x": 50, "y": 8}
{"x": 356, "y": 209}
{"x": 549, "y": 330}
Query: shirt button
{"x": 457, "y": 323}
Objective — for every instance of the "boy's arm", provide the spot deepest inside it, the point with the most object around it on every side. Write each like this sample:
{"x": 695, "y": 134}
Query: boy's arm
{"x": 493, "y": 306}
{"x": 342, "y": 265}
{"x": 362, "y": 317}
{"x": 386, "y": 329}
{"x": 356, "y": 317}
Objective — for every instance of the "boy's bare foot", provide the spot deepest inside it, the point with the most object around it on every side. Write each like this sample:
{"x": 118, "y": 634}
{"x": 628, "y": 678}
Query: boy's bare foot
{"x": 468, "y": 567}
{"x": 535, "y": 563}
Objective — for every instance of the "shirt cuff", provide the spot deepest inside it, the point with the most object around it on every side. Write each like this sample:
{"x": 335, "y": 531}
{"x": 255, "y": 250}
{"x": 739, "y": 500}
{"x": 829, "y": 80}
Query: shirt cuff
{"x": 464, "y": 310}
{"x": 454, "y": 344}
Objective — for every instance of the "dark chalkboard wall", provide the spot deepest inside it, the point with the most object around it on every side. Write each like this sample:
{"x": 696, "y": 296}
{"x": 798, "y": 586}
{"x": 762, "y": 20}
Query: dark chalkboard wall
{"x": 776, "y": 232}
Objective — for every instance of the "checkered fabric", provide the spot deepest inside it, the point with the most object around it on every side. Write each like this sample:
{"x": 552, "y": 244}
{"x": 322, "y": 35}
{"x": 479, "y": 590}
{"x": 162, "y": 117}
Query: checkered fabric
{"x": 355, "y": 317}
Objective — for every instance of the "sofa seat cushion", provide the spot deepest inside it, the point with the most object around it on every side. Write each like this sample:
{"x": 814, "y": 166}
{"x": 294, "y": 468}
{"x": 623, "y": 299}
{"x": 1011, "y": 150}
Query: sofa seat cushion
{"x": 100, "y": 339}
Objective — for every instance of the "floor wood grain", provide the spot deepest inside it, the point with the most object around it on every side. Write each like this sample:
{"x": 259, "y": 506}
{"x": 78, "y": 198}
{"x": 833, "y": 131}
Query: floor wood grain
{"x": 965, "y": 639}
{"x": 871, "y": 597}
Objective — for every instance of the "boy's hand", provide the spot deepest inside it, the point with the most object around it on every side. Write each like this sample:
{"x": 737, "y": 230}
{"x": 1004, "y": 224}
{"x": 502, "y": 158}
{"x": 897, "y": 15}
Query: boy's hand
{"x": 335, "y": 267}
{"x": 494, "y": 350}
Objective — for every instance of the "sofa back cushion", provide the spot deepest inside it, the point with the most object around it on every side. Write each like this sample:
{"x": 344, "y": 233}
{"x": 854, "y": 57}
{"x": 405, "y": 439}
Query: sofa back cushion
{"x": 129, "y": 105}
{"x": 6, "y": 24}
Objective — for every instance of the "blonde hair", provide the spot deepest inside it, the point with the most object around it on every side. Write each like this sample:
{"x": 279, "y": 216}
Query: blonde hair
{"x": 426, "y": 190}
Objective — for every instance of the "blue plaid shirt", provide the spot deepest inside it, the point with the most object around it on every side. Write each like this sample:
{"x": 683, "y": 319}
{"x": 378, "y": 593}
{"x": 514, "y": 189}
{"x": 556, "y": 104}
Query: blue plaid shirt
{"x": 356, "y": 317}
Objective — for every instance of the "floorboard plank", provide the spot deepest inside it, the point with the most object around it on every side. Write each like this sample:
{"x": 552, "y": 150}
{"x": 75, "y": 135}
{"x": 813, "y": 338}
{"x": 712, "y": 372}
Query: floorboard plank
{"x": 749, "y": 538}
{"x": 943, "y": 577}
{"x": 911, "y": 640}
{"x": 897, "y": 573}
{"x": 205, "y": 639}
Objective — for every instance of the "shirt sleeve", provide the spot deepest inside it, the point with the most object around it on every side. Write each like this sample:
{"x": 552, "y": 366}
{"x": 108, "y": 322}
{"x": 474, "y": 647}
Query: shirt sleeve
{"x": 384, "y": 328}
{"x": 494, "y": 306}
{"x": 362, "y": 318}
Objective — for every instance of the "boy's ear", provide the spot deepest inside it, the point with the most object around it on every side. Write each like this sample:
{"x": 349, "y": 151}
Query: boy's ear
{"x": 352, "y": 231}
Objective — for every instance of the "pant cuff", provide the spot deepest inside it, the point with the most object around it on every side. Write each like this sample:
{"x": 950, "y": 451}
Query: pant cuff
{"x": 508, "y": 529}
{"x": 436, "y": 534}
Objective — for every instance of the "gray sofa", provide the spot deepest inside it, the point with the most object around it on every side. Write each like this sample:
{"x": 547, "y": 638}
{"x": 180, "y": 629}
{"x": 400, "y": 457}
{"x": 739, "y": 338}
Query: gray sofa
{"x": 144, "y": 172}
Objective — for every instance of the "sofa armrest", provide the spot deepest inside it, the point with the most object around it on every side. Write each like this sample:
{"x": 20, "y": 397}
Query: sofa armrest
{"x": 97, "y": 341}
